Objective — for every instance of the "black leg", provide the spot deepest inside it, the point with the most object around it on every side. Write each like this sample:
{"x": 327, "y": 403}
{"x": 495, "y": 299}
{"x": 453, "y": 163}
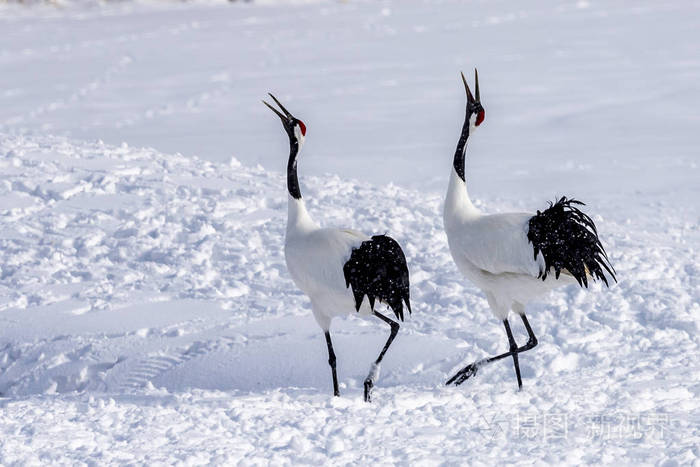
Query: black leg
{"x": 374, "y": 372}
{"x": 470, "y": 370}
{"x": 514, "y": 352}
{"x": 532, "y": 340}
{"x": 331, "y": 362}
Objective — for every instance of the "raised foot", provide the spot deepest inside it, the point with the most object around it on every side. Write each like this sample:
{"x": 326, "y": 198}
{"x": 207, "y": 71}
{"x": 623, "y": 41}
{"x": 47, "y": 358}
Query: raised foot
{"x": 368, "y": 390}
{"x": 463, "y": 374}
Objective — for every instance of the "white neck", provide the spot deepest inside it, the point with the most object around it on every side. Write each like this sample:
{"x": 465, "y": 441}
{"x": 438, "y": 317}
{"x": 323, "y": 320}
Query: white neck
{"x": 457, "y": 202}
{"x": 298, "y": 218}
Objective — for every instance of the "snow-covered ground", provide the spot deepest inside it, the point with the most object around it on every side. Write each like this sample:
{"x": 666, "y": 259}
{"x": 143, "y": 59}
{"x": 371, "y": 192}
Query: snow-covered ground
{"x": 146, "y": 314}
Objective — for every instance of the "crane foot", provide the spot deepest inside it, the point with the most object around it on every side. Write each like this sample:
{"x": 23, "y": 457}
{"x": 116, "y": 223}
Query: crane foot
{"x": 463, "y": 374}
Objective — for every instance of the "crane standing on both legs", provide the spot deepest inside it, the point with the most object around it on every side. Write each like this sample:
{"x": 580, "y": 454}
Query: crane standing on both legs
{"x": 336, "y": 268}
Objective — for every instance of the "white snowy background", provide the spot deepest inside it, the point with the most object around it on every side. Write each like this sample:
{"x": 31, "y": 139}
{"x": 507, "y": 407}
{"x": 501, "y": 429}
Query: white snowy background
{"x": 146, "y": 314}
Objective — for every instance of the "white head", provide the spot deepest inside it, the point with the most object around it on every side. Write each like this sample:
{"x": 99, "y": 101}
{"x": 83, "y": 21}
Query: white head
{"x": 475, "y": 112}
{"x": 295, "y": 128}
{"x": 296, "y": 131}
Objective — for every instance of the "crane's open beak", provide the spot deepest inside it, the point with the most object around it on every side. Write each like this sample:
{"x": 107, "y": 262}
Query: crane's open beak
{"x": 466, "y": 87}
{"x": 474, "y": 103}
{"x": 470, "y": 97}
{"x": 286, "y": 117}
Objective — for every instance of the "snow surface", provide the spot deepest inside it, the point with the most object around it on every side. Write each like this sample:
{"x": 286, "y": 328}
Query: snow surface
{"x": 146, "y": 314}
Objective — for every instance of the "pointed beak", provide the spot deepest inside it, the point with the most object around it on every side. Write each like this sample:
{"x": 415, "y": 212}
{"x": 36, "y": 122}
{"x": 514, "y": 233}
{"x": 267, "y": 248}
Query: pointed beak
{"x": 476, "y": 80}
{"x": 286, "y": 116}
{"x": 275, "y": 111}
{"x": 466, "y": 87}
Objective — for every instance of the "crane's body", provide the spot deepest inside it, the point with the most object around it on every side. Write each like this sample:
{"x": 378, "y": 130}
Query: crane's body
{"x": 510, "y": 256}
{"x": 315, "y": 258}
{"x": 338, "y": 268}
{"x": 493, "y": 251}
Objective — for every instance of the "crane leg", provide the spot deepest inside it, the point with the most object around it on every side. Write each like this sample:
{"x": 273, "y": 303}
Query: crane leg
{"x": 514, "y": 352}
{"x": 532, "y": 340}
{"x": 374, "y": 371}
{"x": 331, "y": 362}
{"x": 471, "y": 369}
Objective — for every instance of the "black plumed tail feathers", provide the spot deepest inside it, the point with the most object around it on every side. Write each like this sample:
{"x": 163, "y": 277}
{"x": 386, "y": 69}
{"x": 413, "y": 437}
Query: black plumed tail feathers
{"x": 568, "y": 239}
{"x": 378, "y": 269}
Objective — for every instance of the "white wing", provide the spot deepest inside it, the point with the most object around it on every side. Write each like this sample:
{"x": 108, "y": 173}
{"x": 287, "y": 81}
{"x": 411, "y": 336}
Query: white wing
{"x": 315, "y": 259}
{"x": 497, "y": 243}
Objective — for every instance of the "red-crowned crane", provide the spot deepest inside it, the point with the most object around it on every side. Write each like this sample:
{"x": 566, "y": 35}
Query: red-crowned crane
{"x": 336, "y": 268}
{"x": 510, "y": 256}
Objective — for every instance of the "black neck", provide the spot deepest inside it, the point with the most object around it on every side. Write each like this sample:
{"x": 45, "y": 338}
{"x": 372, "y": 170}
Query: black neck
{"x": 292, "y": 180}
{"x": 462, "y": 149}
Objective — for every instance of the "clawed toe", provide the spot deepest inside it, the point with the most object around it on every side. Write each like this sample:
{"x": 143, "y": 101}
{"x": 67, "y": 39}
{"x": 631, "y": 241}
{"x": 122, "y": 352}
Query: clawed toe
{"x": 463, "y": 374}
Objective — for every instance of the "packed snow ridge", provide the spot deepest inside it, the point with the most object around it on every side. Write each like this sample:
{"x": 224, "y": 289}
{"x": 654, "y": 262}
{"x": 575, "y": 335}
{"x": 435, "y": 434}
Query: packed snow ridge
{"x": 147, "y": 315}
